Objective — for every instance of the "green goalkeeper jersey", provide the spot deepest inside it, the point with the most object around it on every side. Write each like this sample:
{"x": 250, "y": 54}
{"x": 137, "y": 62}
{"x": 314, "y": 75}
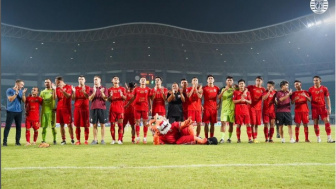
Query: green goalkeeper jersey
{"x": 227, "y": 102}
{"x": 48, "y": 101}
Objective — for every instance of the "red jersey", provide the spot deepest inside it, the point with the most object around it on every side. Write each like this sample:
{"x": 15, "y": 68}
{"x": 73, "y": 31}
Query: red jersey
{"x": 172, "y": 135}
{"x": 256, "y": 96}
{"x": 241, "y": 108}
{"x": 195, "y": 103}
{"x": 80, "y": 100}
{"x": 129, "y": 96}
{"x": 318, "y": 95}
{"x": 210, "y": 97}
{"x": 185, "y": 104}
{"x": 301, "y": 102}
{"x": 33, "y": 108}
{"x": 117, "y": 102}
{"x": 269, "y": 103}
{"x": 158, "y": 101}
{"x": 63, "y": 102}
{"x": 141, "y": 98}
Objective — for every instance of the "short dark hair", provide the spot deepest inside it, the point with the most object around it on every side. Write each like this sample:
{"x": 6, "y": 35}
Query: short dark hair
{"x": 36, "y": 88}
{"x": 210, "y": 76}
{"x": 81, "y": 76}
{"x": 282, "y": 83}
{"x": 183, "y": 79}
{"x": 97, "y": 76}
{"x": 59, "y": 78}
{"x": 194, "y": 78}
{"x": 316, "y": 76}
{"x": 229, "y": 77}
{"x": 241, "y": 80}
{"x": 158, "y": 77}
{"x": 18, "y": 80}
{"x": 259, "y": 77}
{"x": 131, "y": 84}
{"x": 271, "y": 82}
{"x": 297, "y": 81}
{"x": 47, "y": 79}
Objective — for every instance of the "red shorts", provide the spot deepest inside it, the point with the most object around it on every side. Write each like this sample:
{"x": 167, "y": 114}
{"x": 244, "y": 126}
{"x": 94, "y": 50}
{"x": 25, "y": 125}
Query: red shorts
{"x": 63, "y": 116}
{"x": 129, "y": 117}
{"x": 159, "y": 113}
{"x": 32, "y": 124}
{"x": 114, "y": 117}
{"x": 210, "y": 116}
{"x": 301, "y": 117}
{"x": 185, "y": 114}
{"x": 186, "y": 140}
{"x": 140, "y": 114}
{"x": 322, "y": 112}
{"x": 81, "y": 117}
{"x": 267, "y": 117}
{"x": 242, "y": 119}
{"x": 195, "y": 115}
{"x": 255, "y": 116}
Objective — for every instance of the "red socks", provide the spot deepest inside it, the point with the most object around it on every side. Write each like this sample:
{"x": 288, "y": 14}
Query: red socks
{"x": 28, "y": 135}
{"x": 297, "y": 132}
{"x": 120, "y": 131}
{"x": 249, "y": 132}
{"x": 238, "y": 133}
{"x": 212, "y": 135}
{"x": 137, "y": 130}
{"x": 271, "y": 133}
{"x": 112, "y": 131}
{"x": 266, "y": 132}
{"x": 306, "y": 132}
{"x": 78, "y": 131}
{"x": 145, "y": 129}
{"x": 317, "y": 130}
{"x": 206, "y": 134}
{"x": 327, "y": 128}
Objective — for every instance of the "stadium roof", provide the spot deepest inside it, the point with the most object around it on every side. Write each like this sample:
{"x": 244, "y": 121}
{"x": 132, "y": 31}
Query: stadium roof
{"x": 305, "y": 43}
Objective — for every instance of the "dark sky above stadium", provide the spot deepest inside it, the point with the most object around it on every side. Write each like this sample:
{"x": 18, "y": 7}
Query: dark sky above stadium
{"x": 204, "y": 15}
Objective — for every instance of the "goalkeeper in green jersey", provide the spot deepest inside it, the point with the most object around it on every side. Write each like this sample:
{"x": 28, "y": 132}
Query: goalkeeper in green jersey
{"x": 48, "y": 113}
{"x": 227, "y": 109}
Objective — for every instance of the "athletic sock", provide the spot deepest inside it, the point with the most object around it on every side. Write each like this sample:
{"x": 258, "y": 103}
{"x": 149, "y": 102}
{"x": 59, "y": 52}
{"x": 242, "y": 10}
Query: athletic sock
{"x": 306, "y": 132}
{"x": 266, "y": 132}
{"x": 327, "y": 128}
{"x": 230, "y": 135}
{"x": 297, "y": 131}
{"x": 249, "y": 132}
{"x": 223, "y": 135}
{"x": 112, "y": 131}
{"x": 44, "y": 133}
{"x": 137, "y": 130}
{"x": 35, "y": 135}
{"x": 78, "y": 131}
{"x": 54, "y": 132}
{"x": 271, "y": 133}
{"x": 145, "y": 129}
{"x": 238, "y": 133}
{"x": 212, "y": 135}
{"x": 317, "y": 130}
{"x": 86, "y": 133}
{"x": 120, "y": 131}
{"x": 28, "y": 135}
{"x": 206, "y": 134}
{"x": 252, "y": 133}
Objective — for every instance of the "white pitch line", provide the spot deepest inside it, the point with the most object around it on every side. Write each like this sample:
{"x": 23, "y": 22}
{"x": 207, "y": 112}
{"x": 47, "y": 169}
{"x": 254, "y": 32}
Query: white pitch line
{"x": 171, "y": 166}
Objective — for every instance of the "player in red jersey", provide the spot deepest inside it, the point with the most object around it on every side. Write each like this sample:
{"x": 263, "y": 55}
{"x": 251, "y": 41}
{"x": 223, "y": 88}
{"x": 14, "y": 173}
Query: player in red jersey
{"x": 242, "y": 99}
{"x": 194, "y": 94}
{"x": 268, "y": 111}
{"x": 184, "y": 85}
{"x": 318, "y": 94}
{"x": 158, "y": 97}
{"x": 116, "y": 97}
{"x": 210, "y": 93}
{"x": 256, "y": 92}
{"x": 129, "y": 111}
{"x": 141, "y": 100}
{"x": 300, "y": 98}
{"x": 80, "y": 94}
{"x": 63, "y": 110}
{"x": 32, "y": 106}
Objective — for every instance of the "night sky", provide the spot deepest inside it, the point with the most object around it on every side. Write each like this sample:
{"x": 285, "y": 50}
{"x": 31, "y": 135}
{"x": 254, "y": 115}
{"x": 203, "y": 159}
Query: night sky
{"x": 214, "y": 15}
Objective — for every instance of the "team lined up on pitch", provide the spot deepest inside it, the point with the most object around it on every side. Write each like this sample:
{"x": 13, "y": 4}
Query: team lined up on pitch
{"x": 238, "y": 104}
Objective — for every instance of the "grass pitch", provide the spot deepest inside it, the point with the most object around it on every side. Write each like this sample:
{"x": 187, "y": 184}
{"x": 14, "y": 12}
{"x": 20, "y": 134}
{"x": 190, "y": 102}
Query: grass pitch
{"x": 263, "y": 165}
